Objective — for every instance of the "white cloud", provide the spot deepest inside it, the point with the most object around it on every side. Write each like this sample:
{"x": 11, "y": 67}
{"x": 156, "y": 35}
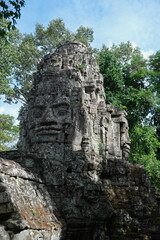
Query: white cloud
{"x": 2, "y": 110}
{"x": 17, "y": 122}
{"x": 11, "y": 109}
{"x": 112, "y": 20}
{"x": 134, "y": 45}
{"x": 147, "y": 53}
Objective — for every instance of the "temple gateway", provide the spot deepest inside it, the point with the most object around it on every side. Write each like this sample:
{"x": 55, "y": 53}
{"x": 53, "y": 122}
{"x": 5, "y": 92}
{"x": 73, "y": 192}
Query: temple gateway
{"x": 70, "y": 178}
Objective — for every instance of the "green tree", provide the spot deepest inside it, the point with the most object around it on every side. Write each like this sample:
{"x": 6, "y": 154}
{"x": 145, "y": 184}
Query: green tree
{"x": 133, "y": 84}
{"x": 27, "y": 58}
{"x": 30, "y": 49}
{"x": 10, "y": 10}
{"x": 137, "y": 95}
{"x": 84, "y": 35}
{"x": 124, "y": 52}
{"x": 154, "y": 64}
{"x": 8, "y": 132}
{"x": 8, "y": 58}
{"x": 126, "y": 74}
{"x": 55, "y": 33}
{"x": 145, "y": 145}
{"x": 113, "y": 78}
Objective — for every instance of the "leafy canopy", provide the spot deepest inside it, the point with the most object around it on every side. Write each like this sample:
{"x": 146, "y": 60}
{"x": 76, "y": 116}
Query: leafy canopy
{"x": 26, "y": 50}
{"x": 8, "y": 132}
{"x": 132, "y": 83}
{"x": 8, "y": 58}
{"x": 10, "y": 10}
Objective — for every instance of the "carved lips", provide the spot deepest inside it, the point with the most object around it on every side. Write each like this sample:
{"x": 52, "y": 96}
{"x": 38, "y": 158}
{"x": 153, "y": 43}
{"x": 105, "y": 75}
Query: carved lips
{"x": 48, "y": 130}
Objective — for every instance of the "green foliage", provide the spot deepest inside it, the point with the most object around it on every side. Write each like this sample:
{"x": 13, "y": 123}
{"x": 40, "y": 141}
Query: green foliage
{"x": 137, "y": 96}
{"x": 8, "y": 58}
{"x": 10, "y": 10}
{"x": 145, "y": 145}
{"x": 55, "y": 33}
{"x": 25, "y": 51}
{"x": 144, "y": 140}
{"x": 101, "y": 149}
{"x": 132, "y": 83}
{"x": 125, "y": 73}
{"x": 124, "y": 52}
{"x": 138, "y": 103}
{"x": 8, "y": 132}
{"x": 113, "y": 79}
{"x": 154, "y": 64}
{"x": 27, "y": 59}
{"x": 84, "y": 35}
{"x": 33, "y": 211}
{"x": 81, "y": 66}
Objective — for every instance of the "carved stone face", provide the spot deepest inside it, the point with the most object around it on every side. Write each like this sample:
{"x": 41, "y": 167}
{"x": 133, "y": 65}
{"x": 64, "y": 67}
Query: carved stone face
{"x": 50, "y": 112}
{"x": 54, "y": 113}
{"x": 67, "y": 106}
{"x": 50, "y": 122}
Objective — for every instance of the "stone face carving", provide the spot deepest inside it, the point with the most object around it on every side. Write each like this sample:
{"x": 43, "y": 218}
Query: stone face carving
{"x": 70, "y": 178}
{"x": 67, "y": 106}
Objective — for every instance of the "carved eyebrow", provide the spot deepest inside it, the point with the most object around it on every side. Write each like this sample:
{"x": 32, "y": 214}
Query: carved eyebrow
{"x": 38, "y": 106}
{"x": 60, "y": 104}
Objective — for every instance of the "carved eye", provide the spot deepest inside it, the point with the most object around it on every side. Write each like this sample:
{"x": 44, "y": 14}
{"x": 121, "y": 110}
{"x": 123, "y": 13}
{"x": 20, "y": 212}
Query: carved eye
{"x": 62, "y": 113}
{"x": 37, "y": 112}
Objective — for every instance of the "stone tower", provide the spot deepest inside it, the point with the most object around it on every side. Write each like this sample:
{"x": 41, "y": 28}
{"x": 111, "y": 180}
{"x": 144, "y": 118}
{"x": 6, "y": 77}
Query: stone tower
{"x": 67, "y": 107}
{"x": 70, "y": 178}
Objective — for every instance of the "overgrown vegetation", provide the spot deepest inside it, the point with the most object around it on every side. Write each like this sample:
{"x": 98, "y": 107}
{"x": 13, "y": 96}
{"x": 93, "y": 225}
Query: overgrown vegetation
{"x": 133, "y": 83}
{"x": 10, "y": 10}
{"x": 130, "y": 81}
{"x": 101, "y": 149}
{"x": 8, "y": 132}
{"x": 21, "y": 53}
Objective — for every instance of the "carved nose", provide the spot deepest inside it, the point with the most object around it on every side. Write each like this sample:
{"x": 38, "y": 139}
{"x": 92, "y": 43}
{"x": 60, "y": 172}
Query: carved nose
{"x": 48, "y": 116}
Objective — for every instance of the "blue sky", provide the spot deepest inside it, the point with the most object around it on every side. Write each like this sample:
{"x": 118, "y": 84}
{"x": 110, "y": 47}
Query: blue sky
{"x": 113, "y": 21}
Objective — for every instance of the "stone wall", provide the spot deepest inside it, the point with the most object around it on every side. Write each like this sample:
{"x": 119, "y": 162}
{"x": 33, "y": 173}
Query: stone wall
{"x": 26, "y": 209}
{"x": 136, "y": 206}
{"x": 70, "y": 177}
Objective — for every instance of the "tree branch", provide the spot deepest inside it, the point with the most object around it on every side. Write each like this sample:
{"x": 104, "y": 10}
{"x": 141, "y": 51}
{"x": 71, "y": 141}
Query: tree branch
{"x": 25, "y": 98}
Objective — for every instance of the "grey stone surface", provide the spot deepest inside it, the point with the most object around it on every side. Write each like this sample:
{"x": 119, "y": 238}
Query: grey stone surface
{"x": 24, "y": 202}
{"x": 37, "y": 235}
{"x": 4, "y": 234}
{"x": 70, "y": 178}
{"x": 67, "y": 107}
